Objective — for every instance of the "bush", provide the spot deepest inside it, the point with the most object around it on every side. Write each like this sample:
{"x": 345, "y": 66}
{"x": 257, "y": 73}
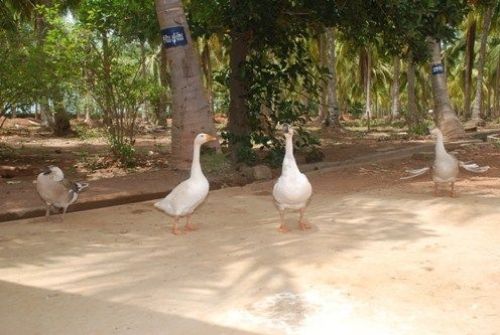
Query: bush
{"x": 123, "y": 151}
{"x": 420, "y": 129}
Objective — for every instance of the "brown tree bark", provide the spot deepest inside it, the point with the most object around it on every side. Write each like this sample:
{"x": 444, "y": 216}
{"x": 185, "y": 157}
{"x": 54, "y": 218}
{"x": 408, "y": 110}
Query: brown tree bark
{"x": 333, "y": 115}
{"x": 469, "y": 63}
{"x": 496, "y": 100}
{"x": 444, "y": 115}
{"x": 61, "y": 126}
{"x": 477, "y": 104}
{"x": 413, "y": 117}
{"x": 366, "y": 70}
{"x": 207, "y": 70}
{"x": 395, "y": 105}
{"x": 239, "y": 123}
{"x": 323, "y": 99}
{"x": 191, "y": 110}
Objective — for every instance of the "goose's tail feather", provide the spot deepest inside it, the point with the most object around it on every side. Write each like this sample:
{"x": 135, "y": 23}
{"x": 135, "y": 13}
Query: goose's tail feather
{"x": 81, "y": 186}
{"x": 416, "y": 172}
{"x": 473, "y": 167}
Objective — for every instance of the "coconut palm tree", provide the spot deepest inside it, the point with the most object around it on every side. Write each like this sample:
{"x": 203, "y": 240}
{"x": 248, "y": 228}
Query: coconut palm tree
{"x": 190, "y": 109}
{"x": 485, "y": 29}
{"x": 444, "y": 114}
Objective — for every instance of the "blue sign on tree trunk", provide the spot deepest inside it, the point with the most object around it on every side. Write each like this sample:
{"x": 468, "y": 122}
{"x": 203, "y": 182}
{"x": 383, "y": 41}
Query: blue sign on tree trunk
{"x": 437, "y": 68}
{"x": 173, "y": 37}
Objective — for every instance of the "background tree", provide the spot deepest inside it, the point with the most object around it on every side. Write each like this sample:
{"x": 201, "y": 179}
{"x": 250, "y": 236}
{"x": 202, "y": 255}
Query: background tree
{"x": 485, "y": 29}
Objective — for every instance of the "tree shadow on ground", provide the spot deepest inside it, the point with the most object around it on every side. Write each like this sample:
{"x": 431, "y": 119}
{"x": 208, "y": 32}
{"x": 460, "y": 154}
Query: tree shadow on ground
{"x": 127, "y": 254}
{"x": 32, "y": 310}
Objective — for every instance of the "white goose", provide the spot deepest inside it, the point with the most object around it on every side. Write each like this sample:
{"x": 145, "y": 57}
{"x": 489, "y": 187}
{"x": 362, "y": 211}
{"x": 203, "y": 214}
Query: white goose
{"x": 185, "y": 197}
{"x": 292, "y": 190}
{"x": 446, "y": 167}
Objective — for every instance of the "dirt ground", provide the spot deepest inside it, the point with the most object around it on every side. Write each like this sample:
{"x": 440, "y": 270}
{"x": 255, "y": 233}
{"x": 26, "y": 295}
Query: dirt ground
{"x": 384, "y": 257}
{"x": 86, "y": 155}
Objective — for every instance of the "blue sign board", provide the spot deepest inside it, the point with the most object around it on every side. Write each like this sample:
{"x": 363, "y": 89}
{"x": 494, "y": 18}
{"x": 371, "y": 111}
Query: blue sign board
{"x": 437, "y": 68}
{"x": 173, "y": 37}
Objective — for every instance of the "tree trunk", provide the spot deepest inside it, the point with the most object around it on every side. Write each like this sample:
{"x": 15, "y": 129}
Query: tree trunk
{"x": 207, "y": 69}
{"x": 395, "y": 88}
{"x": 191, "y": 110}
{"x": 323, "y": 99}
{"x": 45, "y": 114}
{"x": 413, "y": 117}
{"x": 239, "y": 123}
{"x": 40, "y": 30}
{"x": 37, "y": 111}
{"x": 487, "y": 114}
{"x": 87, "y": 119}
{"x": 496, "y": 101}
{"x": 366, "y": 69}
{"x": 61, "y": 126}
{"x": 477, "y": 104}
{"x": 109, "y": 106}
{"x": 469, "y": 63}
{"x": 444, "y": 116}
{"x": 144, "y": 74}
{"x": 333, "y": 117}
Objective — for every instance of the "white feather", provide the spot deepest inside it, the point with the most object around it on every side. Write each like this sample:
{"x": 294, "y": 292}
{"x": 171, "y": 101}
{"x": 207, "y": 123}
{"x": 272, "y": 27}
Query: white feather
{"x": 416, "y": 172}
{"x": 473, "y": 167}
{"x": 293, "y": 189}
{"x": 190, "y": 193}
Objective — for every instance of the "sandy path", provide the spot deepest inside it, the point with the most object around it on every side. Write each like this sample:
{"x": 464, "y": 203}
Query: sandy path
{"x": 386, "y": 260}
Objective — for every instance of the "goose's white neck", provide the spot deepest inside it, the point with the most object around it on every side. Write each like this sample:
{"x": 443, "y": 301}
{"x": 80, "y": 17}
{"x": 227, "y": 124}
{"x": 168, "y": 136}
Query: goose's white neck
{"x": 289, "y": 163}
{"x": 440, "y": 149}
{"x": 195, "y": 165}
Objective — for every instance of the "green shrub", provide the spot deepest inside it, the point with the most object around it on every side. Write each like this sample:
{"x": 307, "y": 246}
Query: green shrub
{"x": 123, "y": 151}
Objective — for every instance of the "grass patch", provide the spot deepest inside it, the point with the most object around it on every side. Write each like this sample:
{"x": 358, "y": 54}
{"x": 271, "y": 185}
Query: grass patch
{"x": 87, "y": 133}
{"x": 213, "y": 162}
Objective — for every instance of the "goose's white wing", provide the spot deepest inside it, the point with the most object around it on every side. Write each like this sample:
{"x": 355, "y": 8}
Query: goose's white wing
{"x": 185, "y": 197}
{"x": 473, "y": 167}
{"x": 416, "y": 172}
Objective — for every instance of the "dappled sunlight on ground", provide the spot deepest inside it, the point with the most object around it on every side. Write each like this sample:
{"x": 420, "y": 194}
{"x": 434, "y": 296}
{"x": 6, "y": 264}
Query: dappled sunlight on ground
{"x": 378, "y": 260}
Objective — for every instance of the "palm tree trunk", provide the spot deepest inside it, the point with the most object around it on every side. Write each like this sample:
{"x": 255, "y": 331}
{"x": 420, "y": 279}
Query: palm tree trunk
{"x": 367, "y": 69}
{"x": 333, "y": 118}
{"x": 207, "y": 69}
{"x": 40, "y": 30}
{"x": 191, "y": 110}
{"x": 469, "y": 62}
{"x": 395, "y": 89}
{"x": 323, "y": 99}
{"x": 496, "y": 101}
{"x": 444, "y": 116}
{"x": 477, "y": 104}
{"x": 144, "y": 107}
{"x": 413, "y": 117}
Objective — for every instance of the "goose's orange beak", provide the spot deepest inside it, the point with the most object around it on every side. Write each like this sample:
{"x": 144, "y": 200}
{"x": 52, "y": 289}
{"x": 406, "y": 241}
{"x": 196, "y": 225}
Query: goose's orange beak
{"x": 211, "y": 138}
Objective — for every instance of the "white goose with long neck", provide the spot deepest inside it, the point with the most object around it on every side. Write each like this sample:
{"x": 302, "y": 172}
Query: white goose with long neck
{"x": 189, "y": 194}
{"x": 445, "y": 167}
{"x": 289, "y": 164}
{"x": 293, "y": 189}
{"x": 196, "y": 171}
